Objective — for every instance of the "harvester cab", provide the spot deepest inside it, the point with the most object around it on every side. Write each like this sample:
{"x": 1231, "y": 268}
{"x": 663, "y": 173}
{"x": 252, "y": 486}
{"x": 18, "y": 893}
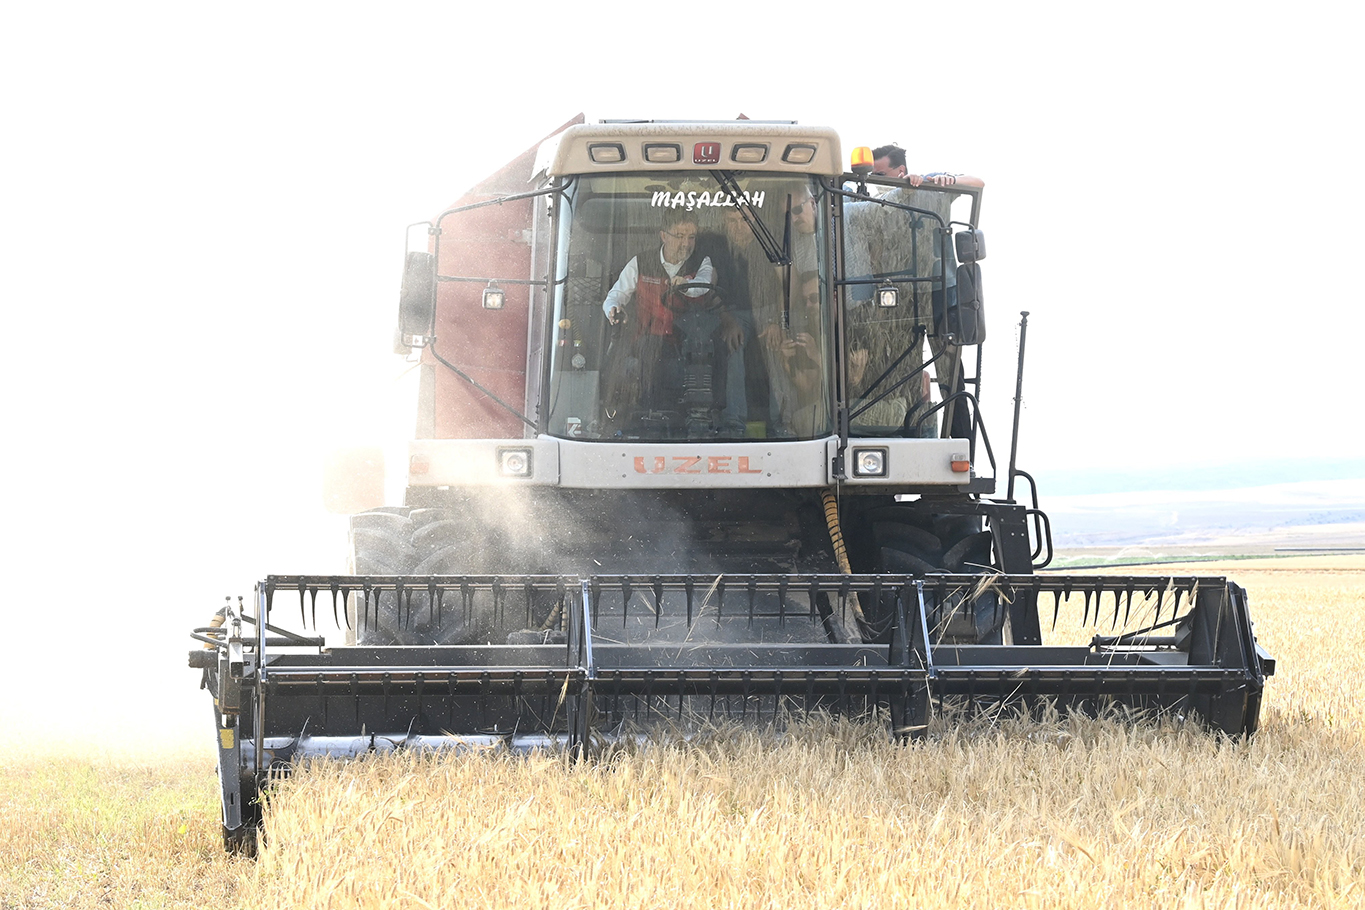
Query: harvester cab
{"x": 698, "y": 439}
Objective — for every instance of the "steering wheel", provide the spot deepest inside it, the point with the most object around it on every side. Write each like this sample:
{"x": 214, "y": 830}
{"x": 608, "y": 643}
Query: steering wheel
{"x": 704, "y": 302}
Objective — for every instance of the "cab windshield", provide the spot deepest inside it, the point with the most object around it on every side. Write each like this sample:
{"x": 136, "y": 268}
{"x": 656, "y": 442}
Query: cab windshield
{"x": 691, "y": 306}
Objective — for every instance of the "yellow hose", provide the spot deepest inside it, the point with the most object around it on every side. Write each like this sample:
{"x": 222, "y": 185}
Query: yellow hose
{"x": 836, "y": 537}
{"x": 215, "y": 623}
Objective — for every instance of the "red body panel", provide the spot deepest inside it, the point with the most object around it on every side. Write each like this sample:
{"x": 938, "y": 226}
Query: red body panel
{"x": 489, "y": 345}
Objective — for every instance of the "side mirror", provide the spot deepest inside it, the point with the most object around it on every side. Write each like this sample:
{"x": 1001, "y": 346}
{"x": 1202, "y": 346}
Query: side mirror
{"x": 966, "y": 317}
{"x": 971, "y": 246}
{"x": 417, "y": 299}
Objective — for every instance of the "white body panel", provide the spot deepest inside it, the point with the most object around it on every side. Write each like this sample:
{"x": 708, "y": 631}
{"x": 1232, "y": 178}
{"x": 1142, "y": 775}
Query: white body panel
{"x": 908, "y": 461}
{"x": 713, "y": 465}
{"x": 658, "y": 465}
{"x": 474, "y": 462}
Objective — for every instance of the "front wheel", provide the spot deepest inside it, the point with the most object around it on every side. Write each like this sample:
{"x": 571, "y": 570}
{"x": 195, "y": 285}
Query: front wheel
{"x": 410, "y": 542}
{"x": 902, "y": 539}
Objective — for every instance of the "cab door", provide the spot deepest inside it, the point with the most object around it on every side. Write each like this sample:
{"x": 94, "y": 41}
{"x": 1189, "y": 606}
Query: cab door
{"x": 490, "y": 243}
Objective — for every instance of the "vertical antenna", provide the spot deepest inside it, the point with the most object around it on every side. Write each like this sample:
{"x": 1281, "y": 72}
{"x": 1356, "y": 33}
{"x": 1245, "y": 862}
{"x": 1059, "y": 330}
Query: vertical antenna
{"x": 1018, "y": 402}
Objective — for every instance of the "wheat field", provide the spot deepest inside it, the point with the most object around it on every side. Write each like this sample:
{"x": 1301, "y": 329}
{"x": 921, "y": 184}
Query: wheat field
{"x": 1059, "y": 813}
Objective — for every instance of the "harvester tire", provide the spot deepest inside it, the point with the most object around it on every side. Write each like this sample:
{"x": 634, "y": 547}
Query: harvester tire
{"x": 386, "y": 553}
{"x": 445, "y": 561}
{"x": 381, "y": 519}
{"x": 381, "y": 544}
{"x": 903, "y": 563}
{"x": 907, "y": 541}
{"x": 435, "y": 535}
{"x": 404, "y": 541}
{"x": 907, "y": 536}
{"x": 420, "y": 518}
{"x": 970, "y": 554}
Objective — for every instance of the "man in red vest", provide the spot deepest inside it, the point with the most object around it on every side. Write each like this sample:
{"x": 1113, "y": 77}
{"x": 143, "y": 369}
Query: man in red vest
{"x": 648, "y": 293}
{"x": 647, "y": 276}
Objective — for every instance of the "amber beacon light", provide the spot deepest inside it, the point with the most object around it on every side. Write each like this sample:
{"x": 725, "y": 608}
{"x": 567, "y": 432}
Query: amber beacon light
{"x": 862, "y": 160}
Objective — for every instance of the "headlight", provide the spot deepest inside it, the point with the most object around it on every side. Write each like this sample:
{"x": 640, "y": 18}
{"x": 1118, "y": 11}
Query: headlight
{"x": 749, "y": 154}
{"x": 869, "y": 462}
{"x": 606, "y": 153}
{"x": 663, "y": 153}
{"x": 494, "y": 297}
{"x": 514, "y": 462}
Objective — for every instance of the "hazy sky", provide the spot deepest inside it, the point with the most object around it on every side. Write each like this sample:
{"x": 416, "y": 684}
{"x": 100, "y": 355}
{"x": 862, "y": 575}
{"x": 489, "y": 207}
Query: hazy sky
{"x": 203, "y": 216}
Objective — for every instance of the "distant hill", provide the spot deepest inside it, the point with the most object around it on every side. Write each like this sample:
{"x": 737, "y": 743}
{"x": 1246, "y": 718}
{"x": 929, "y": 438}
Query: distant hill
{"x": 1321, "y": 509}
{"x": 1234, "y": 476}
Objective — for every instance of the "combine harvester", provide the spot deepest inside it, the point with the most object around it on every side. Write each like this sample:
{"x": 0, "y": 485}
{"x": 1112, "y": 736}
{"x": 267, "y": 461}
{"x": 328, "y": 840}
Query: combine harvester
{"x": 697, "y": 439}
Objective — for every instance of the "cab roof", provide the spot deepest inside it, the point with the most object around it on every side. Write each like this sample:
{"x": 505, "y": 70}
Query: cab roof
{"x": 741, "y": 145}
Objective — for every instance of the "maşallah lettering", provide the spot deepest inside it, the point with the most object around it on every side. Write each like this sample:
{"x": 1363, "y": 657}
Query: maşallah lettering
{"x": 692, "y": 200}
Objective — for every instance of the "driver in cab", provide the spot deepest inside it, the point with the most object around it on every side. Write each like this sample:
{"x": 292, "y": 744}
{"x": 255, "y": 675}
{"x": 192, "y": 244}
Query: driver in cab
{"x": 650, "y": 278}
{"x": 660, "y": 291}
